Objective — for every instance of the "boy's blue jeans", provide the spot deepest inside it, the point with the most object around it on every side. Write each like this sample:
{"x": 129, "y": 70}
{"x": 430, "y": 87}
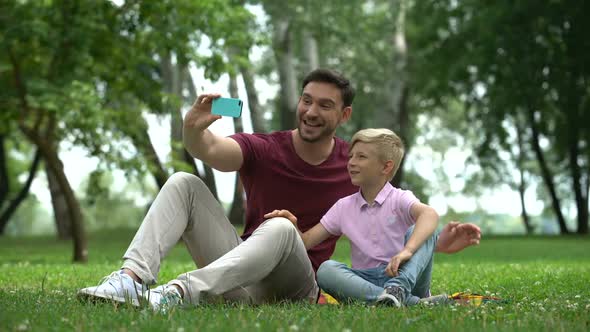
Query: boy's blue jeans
{"x": 348, "y": 284}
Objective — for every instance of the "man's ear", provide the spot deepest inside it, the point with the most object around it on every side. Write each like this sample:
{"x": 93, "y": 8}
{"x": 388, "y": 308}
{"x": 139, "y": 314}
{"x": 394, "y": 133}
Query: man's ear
{"x": 346, "y": 114}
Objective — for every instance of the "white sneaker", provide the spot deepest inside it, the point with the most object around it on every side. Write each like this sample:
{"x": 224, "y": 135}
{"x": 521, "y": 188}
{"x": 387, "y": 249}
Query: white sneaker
{"x": 392, "y": 296}
{"x": 163, "y": 298}
{"x": 436, "y": 299}
{"x": 118, "y": 286}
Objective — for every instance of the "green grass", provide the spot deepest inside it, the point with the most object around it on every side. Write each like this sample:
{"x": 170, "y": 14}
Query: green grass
{"x": 546, "y": 280}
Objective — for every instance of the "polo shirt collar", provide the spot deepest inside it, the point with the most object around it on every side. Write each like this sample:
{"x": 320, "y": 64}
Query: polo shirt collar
{"x": 381, "y": 196}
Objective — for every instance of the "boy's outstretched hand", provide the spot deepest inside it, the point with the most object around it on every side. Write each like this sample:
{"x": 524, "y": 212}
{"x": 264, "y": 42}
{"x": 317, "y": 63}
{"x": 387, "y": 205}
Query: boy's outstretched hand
{"x": 282, "y": 213}
{"x": 456, "y": 236}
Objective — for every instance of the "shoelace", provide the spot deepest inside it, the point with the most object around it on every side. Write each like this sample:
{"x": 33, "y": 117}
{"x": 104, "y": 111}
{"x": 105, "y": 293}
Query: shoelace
{"x": 116, "y": 277}
{"x": 169, "y": 297}
{"x": 111, "y": 279}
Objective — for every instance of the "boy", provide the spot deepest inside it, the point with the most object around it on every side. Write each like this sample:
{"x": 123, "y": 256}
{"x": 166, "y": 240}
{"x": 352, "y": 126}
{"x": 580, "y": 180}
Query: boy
{"x": 391, "y": 232}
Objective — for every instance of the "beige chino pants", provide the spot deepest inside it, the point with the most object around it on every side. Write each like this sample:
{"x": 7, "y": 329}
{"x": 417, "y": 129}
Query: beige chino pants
{"x": 271, "y": 265}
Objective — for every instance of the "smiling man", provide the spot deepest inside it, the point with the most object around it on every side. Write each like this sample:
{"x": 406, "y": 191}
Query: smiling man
{"x": 302, "y": 170}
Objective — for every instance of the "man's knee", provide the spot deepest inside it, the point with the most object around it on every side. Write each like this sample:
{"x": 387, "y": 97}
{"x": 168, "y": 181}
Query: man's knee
{"x": 280, "y": 224}
{"x": 180, "y": 179}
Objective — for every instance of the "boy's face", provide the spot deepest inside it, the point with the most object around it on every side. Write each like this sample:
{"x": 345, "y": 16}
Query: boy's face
{"x": 364, "y": 165}
{"x": 320, "y": 111}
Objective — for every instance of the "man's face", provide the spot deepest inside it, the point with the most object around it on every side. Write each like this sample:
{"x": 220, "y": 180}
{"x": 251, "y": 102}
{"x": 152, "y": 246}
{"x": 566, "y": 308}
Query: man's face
{"x": 320, "y": 111}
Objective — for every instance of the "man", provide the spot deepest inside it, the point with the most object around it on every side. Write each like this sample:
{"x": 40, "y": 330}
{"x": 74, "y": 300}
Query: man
{"x": 302, "y": 170}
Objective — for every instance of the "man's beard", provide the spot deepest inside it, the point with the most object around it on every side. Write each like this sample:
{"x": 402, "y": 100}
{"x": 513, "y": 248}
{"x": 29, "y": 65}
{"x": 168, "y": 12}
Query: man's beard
{"x": 324, "y": 133}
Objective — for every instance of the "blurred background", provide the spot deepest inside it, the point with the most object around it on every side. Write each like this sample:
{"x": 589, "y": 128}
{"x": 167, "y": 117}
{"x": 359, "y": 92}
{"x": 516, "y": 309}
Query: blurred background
{"x": 491, "y": 99}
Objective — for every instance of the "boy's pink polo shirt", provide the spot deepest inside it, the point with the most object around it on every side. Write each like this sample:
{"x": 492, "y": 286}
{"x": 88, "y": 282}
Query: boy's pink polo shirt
{"x": 376, "y": 232}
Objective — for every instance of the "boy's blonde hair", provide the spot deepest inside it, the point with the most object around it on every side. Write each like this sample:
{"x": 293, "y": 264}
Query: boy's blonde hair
{"x": 389, "y": 145}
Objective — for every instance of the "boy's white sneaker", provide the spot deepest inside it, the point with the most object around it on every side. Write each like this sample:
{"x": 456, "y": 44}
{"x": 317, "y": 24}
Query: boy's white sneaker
{"x": 118, "y": 286}
{"x": 163, "y": 298}
{"x": 392, "y": 296}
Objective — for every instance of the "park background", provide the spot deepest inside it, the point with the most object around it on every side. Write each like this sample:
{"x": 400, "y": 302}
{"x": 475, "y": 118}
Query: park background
{"x": 491, "y": 99}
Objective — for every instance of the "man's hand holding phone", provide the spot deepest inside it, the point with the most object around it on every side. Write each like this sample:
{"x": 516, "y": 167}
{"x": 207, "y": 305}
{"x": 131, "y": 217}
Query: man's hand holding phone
{"x": 199, "y": 117}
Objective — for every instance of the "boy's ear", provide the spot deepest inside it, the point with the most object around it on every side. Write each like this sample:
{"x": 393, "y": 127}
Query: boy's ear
{"x": 388, "y": 167}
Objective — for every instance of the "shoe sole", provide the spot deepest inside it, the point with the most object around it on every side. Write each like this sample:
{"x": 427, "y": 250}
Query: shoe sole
{"x": 96, "y": 297}
{"x": 386, "y": 299}
{"x": 436, "y": 300}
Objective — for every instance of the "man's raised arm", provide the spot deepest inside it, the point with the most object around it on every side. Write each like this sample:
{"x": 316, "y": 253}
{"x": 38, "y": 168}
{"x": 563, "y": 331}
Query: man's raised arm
{"x": 221, "y": 153}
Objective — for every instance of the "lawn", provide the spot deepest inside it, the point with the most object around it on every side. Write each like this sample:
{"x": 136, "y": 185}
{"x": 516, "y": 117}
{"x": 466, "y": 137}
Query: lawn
{"x": 546, "y": 281}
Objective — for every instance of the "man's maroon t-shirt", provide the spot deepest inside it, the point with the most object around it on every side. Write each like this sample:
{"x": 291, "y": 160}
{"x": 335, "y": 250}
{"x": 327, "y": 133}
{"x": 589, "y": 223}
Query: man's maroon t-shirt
{"x": 276, "y": 178}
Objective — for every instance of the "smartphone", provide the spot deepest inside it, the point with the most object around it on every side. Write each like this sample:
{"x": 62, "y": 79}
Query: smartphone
{"x": 227, "y": 107}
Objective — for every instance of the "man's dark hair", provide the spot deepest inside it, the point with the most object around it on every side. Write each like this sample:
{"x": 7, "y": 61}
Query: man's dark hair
{"x": 332, "y": 77}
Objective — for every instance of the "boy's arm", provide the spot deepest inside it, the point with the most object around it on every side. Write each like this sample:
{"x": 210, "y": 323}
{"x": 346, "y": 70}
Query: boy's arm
{"x": 426, "y": 222}
{"x": 221, "y": 153}
{"x": 456, "y": 236}
{"x": 312, "y": 237}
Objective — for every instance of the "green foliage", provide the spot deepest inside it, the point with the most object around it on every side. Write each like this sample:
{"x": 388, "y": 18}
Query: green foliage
{"x": 96, "y": 65}
{"x": 504, "y": 62}
{"x": 417, "y": 184}
{"x": 107, "y": 205}
{"x": 18, "y": 160}
{"x": 31, "y": 218}
{"x": 544, "y": 279}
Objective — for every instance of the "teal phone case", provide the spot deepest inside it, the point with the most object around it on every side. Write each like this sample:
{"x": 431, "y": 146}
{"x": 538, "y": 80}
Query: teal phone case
{"x": 227, "y": 107}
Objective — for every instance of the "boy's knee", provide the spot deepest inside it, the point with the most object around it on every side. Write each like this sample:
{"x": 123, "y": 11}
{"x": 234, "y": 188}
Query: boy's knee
{"x": 326, "y": 272}
{"x": 329, "y": 265}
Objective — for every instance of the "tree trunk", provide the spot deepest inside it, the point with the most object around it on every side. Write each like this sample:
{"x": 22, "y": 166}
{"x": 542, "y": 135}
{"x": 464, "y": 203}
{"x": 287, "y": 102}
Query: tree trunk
{"x": 4, "y": 180}
{"x": 403, "y": 131}
{"x": 142, "y": 142}
{"x": 236, "y": 212}
{"x": 522, "y": 182}
{"x": 172, "y": 86}
{"x": 60, "y": 207}
{"x": 583, "y": 228}
{"x": 210, "y": 180}
{"x": 283, "y": 50}
{"x": 575, "y": 173}
{"x": 7, "y": 212}
{"x": 581, "y": 200}
{"x": 396, "y": 117}
{"x": 545, "y": 172}
{"x": 175, "y": 78}
{"x": 45, "y": 145}
{"x": 186, "y": 82}
{"x": 55, "y": 165}
{"x": 523, "y": 212}
{"x": 256, "y": 114}
{"x": 310, "y": 47}
{"x": 208, "y": 177}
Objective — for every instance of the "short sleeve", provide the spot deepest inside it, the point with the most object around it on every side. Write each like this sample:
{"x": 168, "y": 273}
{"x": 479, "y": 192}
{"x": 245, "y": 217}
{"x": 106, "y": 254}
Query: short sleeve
{"x": 331, "y": 220}
{"x": 253, "y": 146}
{"x": 405, "y": 202}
